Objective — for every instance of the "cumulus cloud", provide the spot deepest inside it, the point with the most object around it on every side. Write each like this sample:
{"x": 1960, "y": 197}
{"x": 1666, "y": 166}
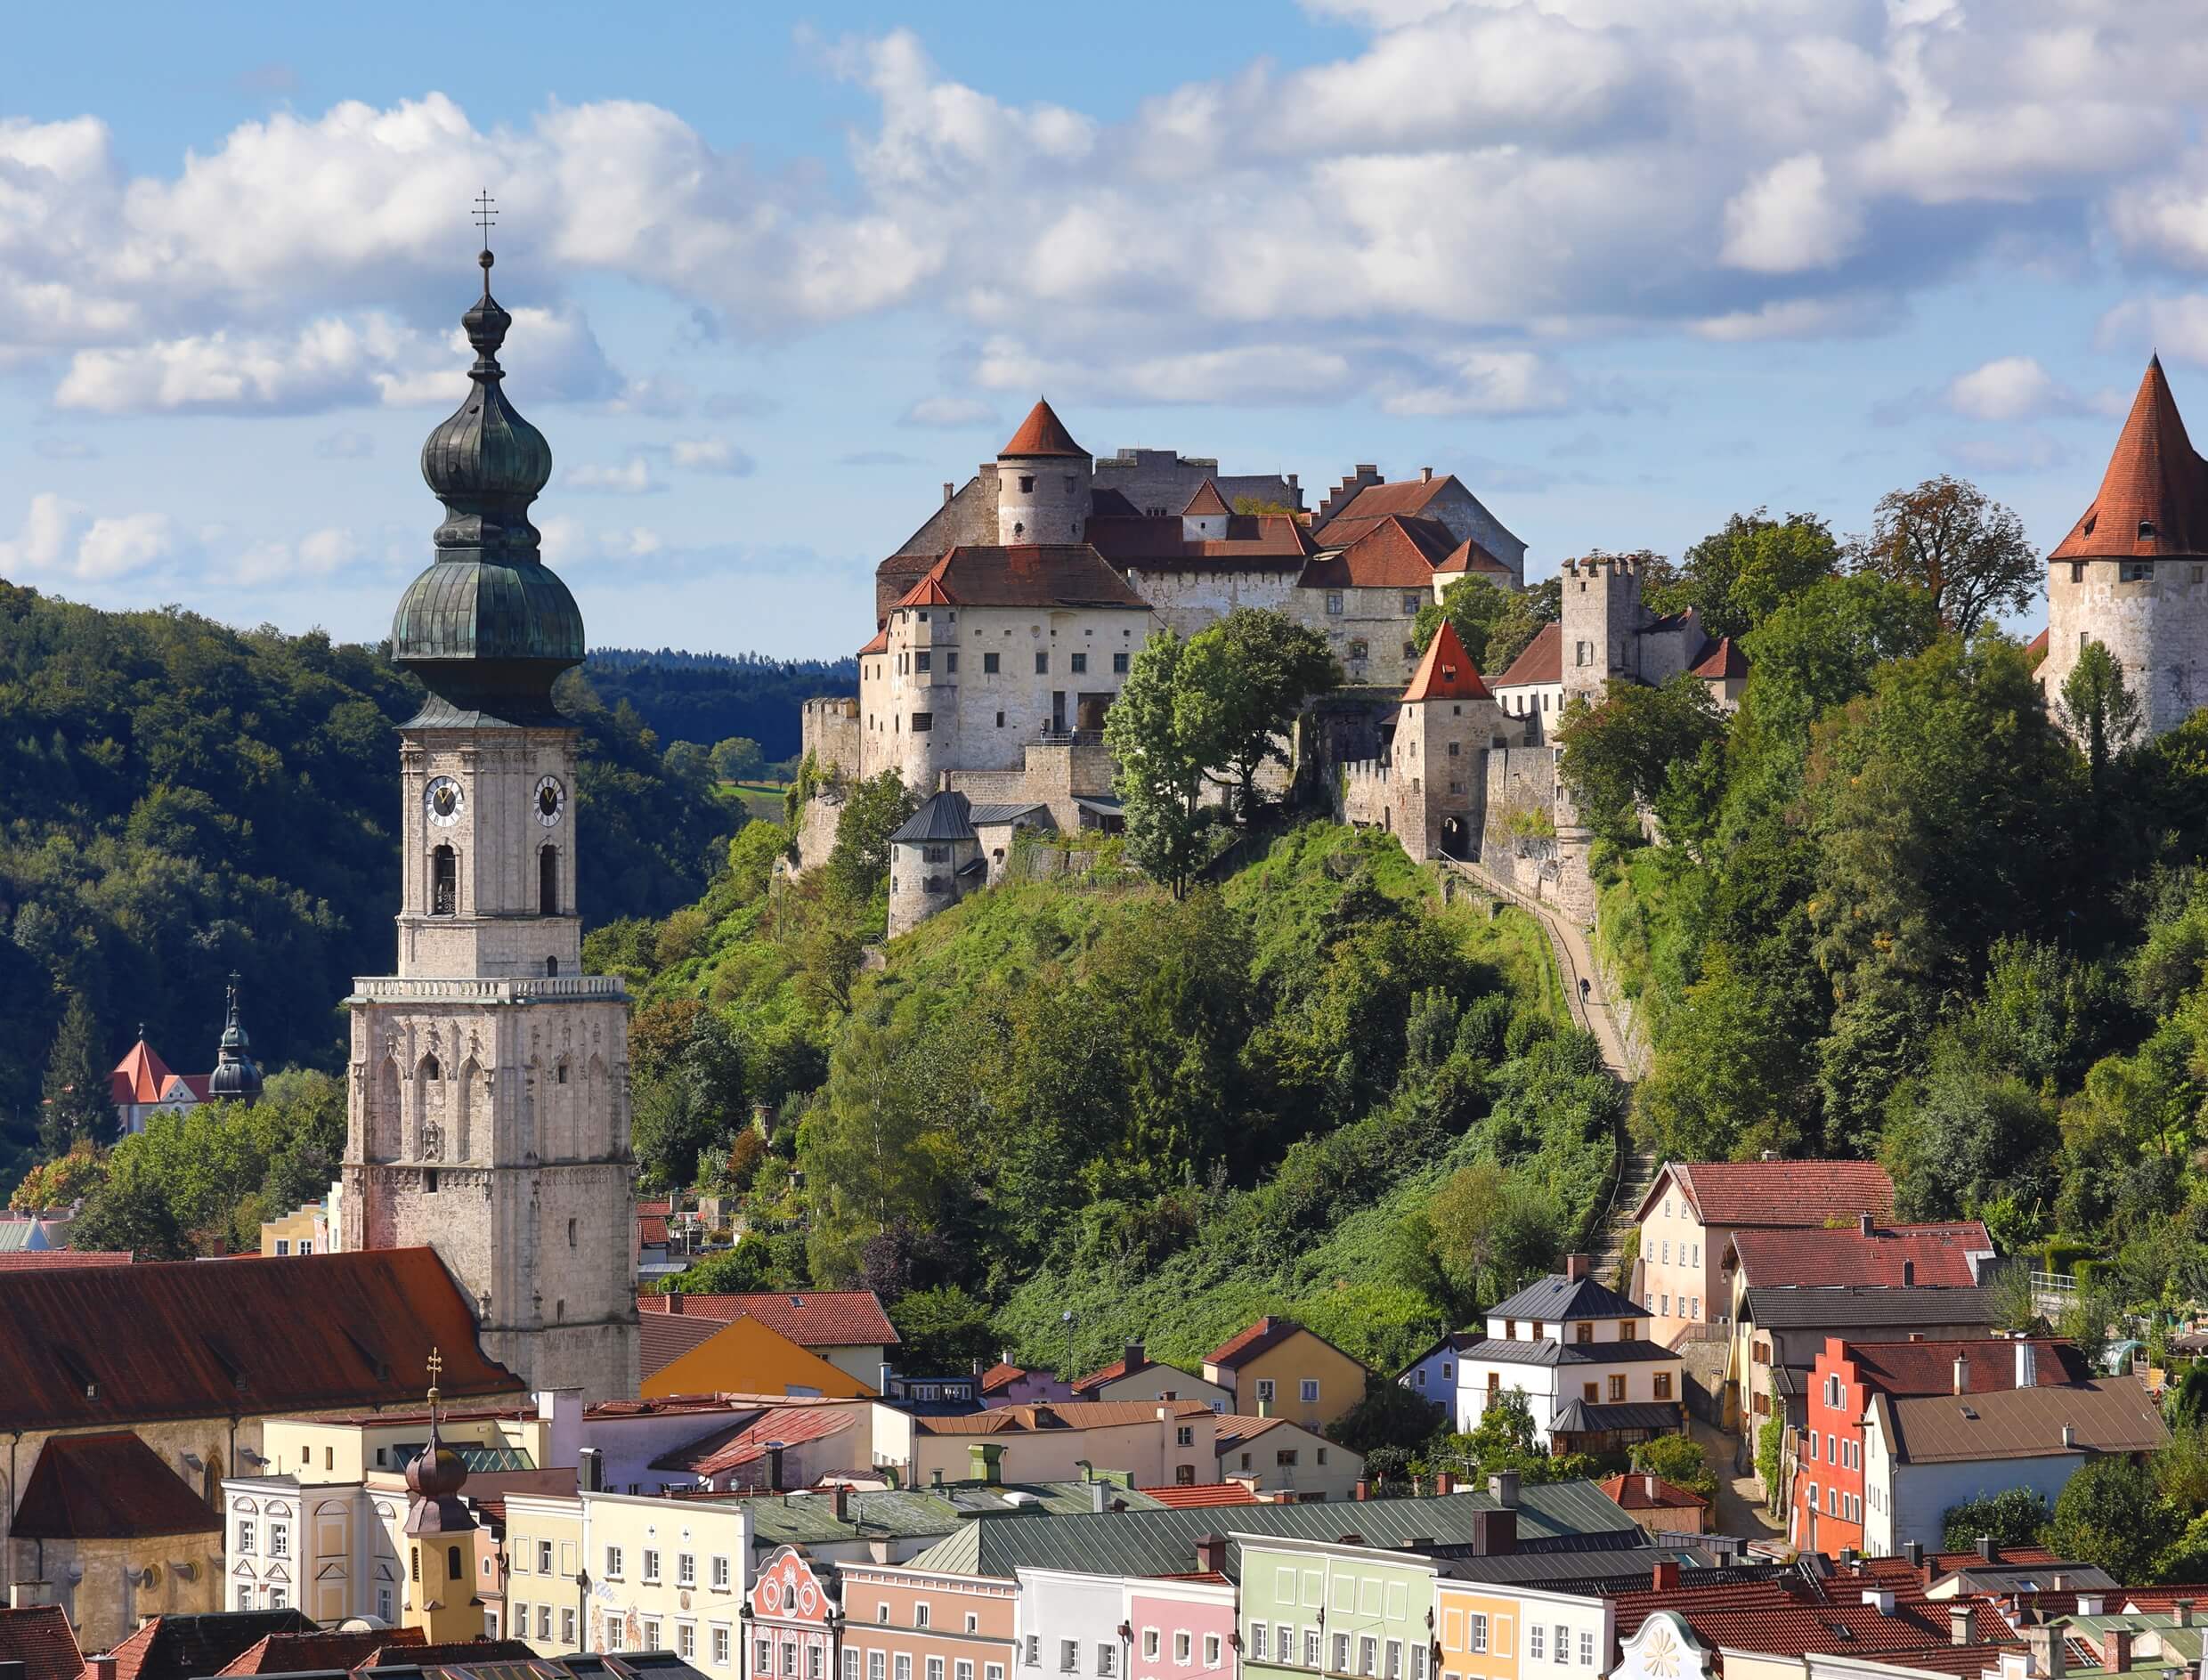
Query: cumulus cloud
{"x": 1586, "y": 167}
{"x": 64, "y": 539}
{"x": 712, "y": 455}
{"x": 2013, "y": 388}
{"x": 1487, "y": 382}
{"x": 949, "y": 411}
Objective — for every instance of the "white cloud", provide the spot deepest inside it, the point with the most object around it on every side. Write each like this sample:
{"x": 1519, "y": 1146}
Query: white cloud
{"x": 1788, "y": 219}
{"x": 2009, "y": 388}
{"x": 712, "y": 455}
{"x": 319, "y": 554}
{"x": 2175, "y": 326}
{"x": 1487, "y": 382}
{"x": 568, "y": 541}
{"x": 949, "y": 411}
{"x": 632, "y": 477}
{"x": 61, "y": 537}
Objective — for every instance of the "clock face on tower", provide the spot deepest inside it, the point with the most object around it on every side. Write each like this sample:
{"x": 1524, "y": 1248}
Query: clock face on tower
{"x": 443, "y": 800}
{"x": 551, "y": 800}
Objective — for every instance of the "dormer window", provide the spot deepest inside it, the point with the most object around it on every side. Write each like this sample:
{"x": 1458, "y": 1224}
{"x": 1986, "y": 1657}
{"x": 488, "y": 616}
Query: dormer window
{"x": 2146, "y": 530}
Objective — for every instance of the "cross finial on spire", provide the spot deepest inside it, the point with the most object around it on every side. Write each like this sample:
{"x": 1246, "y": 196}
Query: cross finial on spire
{"x": 437, "y": 1370}
{"x": 486, "y": 218}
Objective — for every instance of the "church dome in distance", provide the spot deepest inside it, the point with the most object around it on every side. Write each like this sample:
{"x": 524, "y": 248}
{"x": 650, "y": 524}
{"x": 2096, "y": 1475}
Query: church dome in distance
{"x": 235, "y": 1075}
{"x": 487, "y": 626}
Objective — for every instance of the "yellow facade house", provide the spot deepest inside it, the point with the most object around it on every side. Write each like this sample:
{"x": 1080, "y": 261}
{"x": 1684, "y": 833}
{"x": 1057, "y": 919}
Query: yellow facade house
{"x": 691, "y": 1355}
{"x": 1278, "y": 1368}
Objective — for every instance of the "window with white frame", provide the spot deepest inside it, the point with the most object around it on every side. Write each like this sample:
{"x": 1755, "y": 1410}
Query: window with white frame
{"x": 763, "y": 1656}
{"x": 279, "y": 1539}
{"x": 1587, "y": 1648}
{"x": 1149, "y": 1645}
{"x": 1211, "y": 1650}
{"x": 717, "y": 1645}
{"x": 877, "y": 1665}
{"x": 851, "y": 1665}
{"x": 544, "y": 1557}
{"x": 651, "y": 1566}
{"x": 1368, "y": 1654}
{"x": 812, "y": 1662}
{"x": 1312, "y": 1639}
{"x": 544, "y": 1624}
{"x": 651, "y": 1633}
{"x": 612, "y": 1562}
{"x": 1264, "y": 1390}
{"x": 1394, "y": 1670}
{"x": 685, "y": 1640}
{"x": 993, "y": 1671}
{"x": 901, "y": 1665}
{"x": 919, "y": 1615}
{"x": 1069, "y": 1656}
{"x": 790, "y": 1658}
{"x": 964, "y": 1670}
{"x": 1477, "y": 1627}
{"x": 1260, "y": 1637}
{"x": 245, "y": 1535}
{"x": 935, "y": 1668}
{"x": 1184, "y": 1643}
{"x": 1534, "y": 1642}
{"x": 567, "y": 1627}
{"x": 1108, "y": 1661}
{"x": 685, "y": 1569}
{"x": 1563, "y": 1642}
{"x": 1341, "y": 1653}
{"x": 720, "y": 1574}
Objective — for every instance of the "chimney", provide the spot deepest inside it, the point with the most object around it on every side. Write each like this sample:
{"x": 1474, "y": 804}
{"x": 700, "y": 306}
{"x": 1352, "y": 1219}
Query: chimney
{"x": 590, "y": 1470}
{"x": 2048, "y": 1651}
{"x": 1909, "y": 1274}
{"x": 1913, "y": 1550}
{"x": 1665, "y": 1577}
{"x": 1495, "y": 1533}
{"x": 2069, "y": 1435}
{"x": 987, "y": 1458}
{"x": 673, "y": 1299}
{"x": 841, "y": 1501}
{"x": 1959, "y": 1624}
{"x": 103, "y": 1667}
{"x": 1097, "y": 1492}
{"x": 1771, "y": 1155}
{"x": 1362, "y": 1491}
{"x": 2116, "y": 1651}
{"x": 1264, "y": 1409}
{"x": 23, "y": 1595}
{"x": 1987, "y": 1552}
{"x": 1133, "y": 1355}
{"x": 1962, "y": 1374}
{"x": 1211, "y": 1554}
{"x": 2028, "y": 1365}
{"x": 947, "y": 492}
{"x": 1862, "y": 1223}
{"x": 2180, "y": 1613}
{"x": 1425, "y": 475}
{"x": 1576, "y": 1267}
{"x": 1292, "y": 483}
{"x": 774, "y": 1467}
{"x": 1503, "y": 1489}
{"x": 1648, "y": 1485}
{"x": 1879, "y": 1598}
{"x": 1443, "y": 1483}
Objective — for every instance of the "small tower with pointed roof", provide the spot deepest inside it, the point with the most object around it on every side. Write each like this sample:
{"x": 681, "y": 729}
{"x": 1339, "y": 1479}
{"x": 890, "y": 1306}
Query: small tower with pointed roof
{"x": 237, "y": 1076}
{"x": 1043, "y": 482}
{"x": 1437, "y": 763}
{"x": 441, "y": 1529}
{"x": 1204, "y": 518}
{"x": 2132, "y": 574}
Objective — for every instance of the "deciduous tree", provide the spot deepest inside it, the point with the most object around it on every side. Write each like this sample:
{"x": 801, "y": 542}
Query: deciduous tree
{"x": 1966, "y": 550}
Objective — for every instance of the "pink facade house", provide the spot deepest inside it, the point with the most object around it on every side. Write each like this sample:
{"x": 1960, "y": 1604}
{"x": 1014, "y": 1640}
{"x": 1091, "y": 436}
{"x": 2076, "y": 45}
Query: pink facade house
{"x": 1181, "y": 1626}
{"x": 1005, "y": 1383}
{"x": 793, "y": 1634}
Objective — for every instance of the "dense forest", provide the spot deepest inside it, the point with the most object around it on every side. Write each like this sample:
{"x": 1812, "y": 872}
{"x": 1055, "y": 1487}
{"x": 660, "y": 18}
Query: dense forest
{"x": 183, "y": 800}
{"x": 712, "y": 697}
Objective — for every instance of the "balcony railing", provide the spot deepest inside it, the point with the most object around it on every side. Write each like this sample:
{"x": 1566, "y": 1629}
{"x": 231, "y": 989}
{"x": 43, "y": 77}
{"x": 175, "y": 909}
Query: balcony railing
{"x": 516, "y": 989}
{"x": 1070, "y": 737}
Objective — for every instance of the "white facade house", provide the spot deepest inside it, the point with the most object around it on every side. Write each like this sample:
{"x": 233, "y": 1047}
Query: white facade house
{"x": 1575, "y": 1349}
{"x": 332, "y": 1552}
{"x": 1069, "y": 1624}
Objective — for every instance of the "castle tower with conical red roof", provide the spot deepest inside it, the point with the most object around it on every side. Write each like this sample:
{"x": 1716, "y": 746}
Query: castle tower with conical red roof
{"x": 1043, "y": 482}
{"x": 1437, "y": 761}
{"x": 2132, "y": 574}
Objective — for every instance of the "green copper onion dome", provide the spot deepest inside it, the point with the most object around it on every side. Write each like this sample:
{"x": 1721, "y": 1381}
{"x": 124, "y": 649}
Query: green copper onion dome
{"x": 235, "y": 1075}
{"x": 488, "y": 627}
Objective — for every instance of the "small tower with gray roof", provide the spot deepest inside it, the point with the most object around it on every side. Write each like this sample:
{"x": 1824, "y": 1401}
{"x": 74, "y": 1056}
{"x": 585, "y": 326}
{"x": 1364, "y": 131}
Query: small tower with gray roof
{"x": 935, "y": 860}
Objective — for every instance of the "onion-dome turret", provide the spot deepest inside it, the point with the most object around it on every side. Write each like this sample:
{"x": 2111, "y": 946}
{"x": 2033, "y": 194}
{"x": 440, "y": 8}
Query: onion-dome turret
{"x": 235, "y": 1075}
{"x": 488, "y": 625}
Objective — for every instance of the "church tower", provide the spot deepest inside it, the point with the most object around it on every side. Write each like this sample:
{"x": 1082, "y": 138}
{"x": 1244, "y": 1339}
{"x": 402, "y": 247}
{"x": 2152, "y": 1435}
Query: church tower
{"x": 488, "y": 1099}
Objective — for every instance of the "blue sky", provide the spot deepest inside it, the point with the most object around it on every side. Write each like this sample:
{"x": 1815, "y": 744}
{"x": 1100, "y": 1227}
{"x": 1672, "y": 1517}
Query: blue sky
{"x": 1625, "y": 265}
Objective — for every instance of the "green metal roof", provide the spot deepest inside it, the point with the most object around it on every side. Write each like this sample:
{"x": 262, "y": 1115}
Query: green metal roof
{"x": 915, "y": 1512}
{"x": 1162, "y": 1542}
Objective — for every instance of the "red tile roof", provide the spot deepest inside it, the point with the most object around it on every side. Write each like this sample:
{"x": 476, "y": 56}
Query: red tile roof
{"x": 1790, "y": 1619}
{"x": 2153, "y": 498}
{"x": 1723, "y": 660}
{"x": 1043, "y": 433}
{"x": 1776, "y": 1192}
{"x": 181, "y": 1647}
{"x": 1254, "y": 542}
{"x": 1215, "y": 1493}
{"x": 1206, "y": 501}
{"x": 31, "y": 1259}
{"x": 746, "y": 1441}
{"x": 1268, "y": 1332}
{"x": 1541, "y": 660}
{"x": 652, "y": 1230}
{"x": 1053, "y": 1415}
{"x": 141, "y": 1077}
{"x": 1445, "y": 671}
{"x": 1235, "y": 1429}
{"x": 1001, "y": 1375}
{"x": 1469, "y": 557}
{"x": 2035, "y": 650}
{"x": 663, "y": 1205}
{"x": 1377, "y": 502}
{"x": 1641, "y": 1492}
{"x": 879, "y": 645}
{"x": 1928, "y": 1367}
{"x": 453, "y": 1654}
{"x": 298, "y": 1653}
{"x": 92, "y": 1345}
{"x": 1939, "y": 1255}
{"x": 1393, "y": 554}
{"x": 664, "y": 1338}
{"x": 1029, "y": 574}
{"x": 812, "y": 1318}
{"x": 107, "y": 1486}
{"x": 40, "y": 1638}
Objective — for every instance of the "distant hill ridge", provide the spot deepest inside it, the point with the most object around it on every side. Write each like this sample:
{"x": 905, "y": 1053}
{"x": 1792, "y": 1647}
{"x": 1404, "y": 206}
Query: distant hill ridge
{"x": 709, "y": 697}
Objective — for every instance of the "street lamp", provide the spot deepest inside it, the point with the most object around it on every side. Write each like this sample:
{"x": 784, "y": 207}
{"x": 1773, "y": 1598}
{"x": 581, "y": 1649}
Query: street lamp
{"x": 1067, "y": 1318}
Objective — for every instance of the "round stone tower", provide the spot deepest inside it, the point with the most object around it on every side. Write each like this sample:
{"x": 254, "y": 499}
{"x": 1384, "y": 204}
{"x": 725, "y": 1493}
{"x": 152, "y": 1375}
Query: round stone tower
{"x": 1043, "y": 482}
{"x": 2130, "y": 575}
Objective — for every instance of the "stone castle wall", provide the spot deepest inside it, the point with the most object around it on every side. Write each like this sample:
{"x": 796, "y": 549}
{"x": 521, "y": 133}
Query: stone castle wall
{"x": 829, "y": 729}
{"x": 1189, "y": 601}
{"x": 2155, "y": 626}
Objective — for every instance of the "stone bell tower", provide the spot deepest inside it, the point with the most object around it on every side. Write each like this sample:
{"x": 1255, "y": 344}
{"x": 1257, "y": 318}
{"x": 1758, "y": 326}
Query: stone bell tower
{"x": 489, "y": 1099}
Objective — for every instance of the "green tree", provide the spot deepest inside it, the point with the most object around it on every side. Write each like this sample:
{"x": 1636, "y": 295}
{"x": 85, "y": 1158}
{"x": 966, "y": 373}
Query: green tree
{"x": 2108, "y": 1515}
{"x": 875, "y": 810}
{"x": 1241, "y": 683}
{"x": 1680, "y": 1460}
{"x": 73, "y": 1094}
{"x": 2099, "y": 708}
{"x": 1473, "y": 606}
{"x": 1162, "y": 744}
{"x": 942, "y": 1331}
{"x": 1491, "y": 1235}
{"x": 738, "y": 758}
{"x": 1388, "y": 1414}
{"x": 871, "y": 1154}
{"x": 746, "y": 1268}
{"x": 752, "y": 855}
{"x": 1620, "y": 753}
{"x": 2015, "y": 1516}
{"x": 1735, "y": 578}
{"x": 1966, "y": 550}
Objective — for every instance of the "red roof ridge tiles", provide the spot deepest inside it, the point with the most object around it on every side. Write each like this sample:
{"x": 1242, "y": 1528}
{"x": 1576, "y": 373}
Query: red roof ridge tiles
{"x": 810, "y": 1317}
{"x": 1206, "y": 502}
{"x": 880, "y": 644}
{"x": 1268, "y": 1332}
{"x": 32, "y": 1259}
{"x": 1202, "y": 1494}
{"x": 1445, "y": 671}
{"x": 2153, "y": 498}
{"x": 1042, "y": 434}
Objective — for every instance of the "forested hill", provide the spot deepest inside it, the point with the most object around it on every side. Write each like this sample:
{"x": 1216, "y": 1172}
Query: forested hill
{"x": 179, "y": 799}
{"x": 712, "y": 697}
